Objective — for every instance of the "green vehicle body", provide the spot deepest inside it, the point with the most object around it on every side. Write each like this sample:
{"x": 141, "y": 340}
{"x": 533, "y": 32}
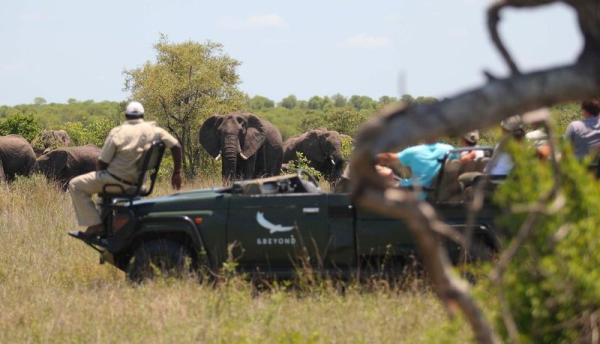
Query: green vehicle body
{"x": 272, "y": 226}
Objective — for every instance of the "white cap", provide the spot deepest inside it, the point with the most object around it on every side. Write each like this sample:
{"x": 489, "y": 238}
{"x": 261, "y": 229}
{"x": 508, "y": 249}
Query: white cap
{"x": 134, "y": 109}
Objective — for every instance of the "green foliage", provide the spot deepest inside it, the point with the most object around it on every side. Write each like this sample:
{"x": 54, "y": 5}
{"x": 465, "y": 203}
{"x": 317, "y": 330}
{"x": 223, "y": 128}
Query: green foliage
{"x": 39, "y": 101}
{"x": 362, "y": 103}
{"x": 347, "y": 146}
{"x": 339, "y": 100}
{"x": 93, "y": 131}
{"x": 21, "y": 124}
{"x": 54, "y": 116}
{"x": 301, "y": 163}
{"x": 186, "y": 84}
{"x": 289, "y": 102}
{"x": 552, "y": 283}
{"x": 260, "y": 103}
{"x": 343, "y": 120}
{"x": 319, "y": 103}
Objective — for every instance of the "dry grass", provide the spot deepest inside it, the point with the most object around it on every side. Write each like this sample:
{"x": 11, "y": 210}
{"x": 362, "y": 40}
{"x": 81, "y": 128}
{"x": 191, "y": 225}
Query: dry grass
{"x": 52, "y": 289}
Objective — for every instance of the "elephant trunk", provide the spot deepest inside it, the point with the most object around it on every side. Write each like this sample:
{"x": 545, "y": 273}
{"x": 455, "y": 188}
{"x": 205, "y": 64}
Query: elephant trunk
{"x": 230, "y": 151}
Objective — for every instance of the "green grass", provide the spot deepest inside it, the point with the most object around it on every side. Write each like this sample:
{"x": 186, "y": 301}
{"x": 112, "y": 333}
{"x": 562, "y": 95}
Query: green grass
{"x": 52, "y": 289}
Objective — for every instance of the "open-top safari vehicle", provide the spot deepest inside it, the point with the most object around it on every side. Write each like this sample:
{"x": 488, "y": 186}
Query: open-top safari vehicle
{"x": 270, "y": 226}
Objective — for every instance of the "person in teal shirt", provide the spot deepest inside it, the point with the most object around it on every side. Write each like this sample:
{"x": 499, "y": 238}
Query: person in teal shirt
{"x": 424, "y": 161}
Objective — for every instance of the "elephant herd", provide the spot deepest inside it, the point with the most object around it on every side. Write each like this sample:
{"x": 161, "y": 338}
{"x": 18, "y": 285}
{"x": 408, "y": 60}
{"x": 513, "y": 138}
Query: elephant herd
{"x": 249, "y": 146}
{"x": 18, "y": 157}
{"x": 252, "y": 147}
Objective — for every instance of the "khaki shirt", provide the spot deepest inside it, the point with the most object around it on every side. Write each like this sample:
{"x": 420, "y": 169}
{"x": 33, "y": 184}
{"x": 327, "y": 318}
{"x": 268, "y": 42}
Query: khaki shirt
{"x": 125, "y": 145}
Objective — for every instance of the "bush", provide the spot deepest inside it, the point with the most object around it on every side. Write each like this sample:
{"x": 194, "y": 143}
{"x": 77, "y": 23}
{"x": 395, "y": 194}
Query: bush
{"x": 552, "y": 283}
{"x": 20, "y": 124}
{"x": 301, "y": 163}
{"x": 93, "y": 132}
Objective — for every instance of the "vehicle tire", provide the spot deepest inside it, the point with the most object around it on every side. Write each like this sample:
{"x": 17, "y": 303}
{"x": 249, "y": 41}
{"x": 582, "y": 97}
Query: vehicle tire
{"x": 159, "y": 257}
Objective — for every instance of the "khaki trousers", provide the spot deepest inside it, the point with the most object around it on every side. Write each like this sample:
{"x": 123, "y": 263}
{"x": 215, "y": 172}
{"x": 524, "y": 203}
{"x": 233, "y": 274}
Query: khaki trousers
{"x": 82, "y": 188}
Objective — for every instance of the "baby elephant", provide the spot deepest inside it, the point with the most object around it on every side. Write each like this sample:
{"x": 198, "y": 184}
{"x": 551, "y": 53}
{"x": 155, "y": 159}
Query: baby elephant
{"x": 322, "y": 148}
{"x": 65, "y": 163}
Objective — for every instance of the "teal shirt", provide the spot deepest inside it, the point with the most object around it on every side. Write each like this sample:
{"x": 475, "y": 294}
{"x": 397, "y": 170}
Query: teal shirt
{"x": 424, "y": 162}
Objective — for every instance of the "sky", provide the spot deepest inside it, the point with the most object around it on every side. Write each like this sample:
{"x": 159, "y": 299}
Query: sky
{"x": 61, "y": 49}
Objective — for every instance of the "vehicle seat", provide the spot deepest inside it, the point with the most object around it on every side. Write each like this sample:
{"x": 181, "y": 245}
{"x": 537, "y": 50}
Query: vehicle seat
{"x": 150, "y": 164}
{"x": 448, "y": 188}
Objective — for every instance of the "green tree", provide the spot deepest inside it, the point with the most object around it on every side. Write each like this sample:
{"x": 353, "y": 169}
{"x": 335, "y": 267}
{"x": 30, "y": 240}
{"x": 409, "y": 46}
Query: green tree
{"x": 260, "y": 103}
{"x": 316, "y": 103}
{"x": 188, "y": 82}
{"x": 407, "y": 98}
{"x": 362, "y": 103}
{"x": 385, "y": 100}
{"x": 339, "y": 100}
{"x": 289, "y": 102}
{"x": 39, "y": 101}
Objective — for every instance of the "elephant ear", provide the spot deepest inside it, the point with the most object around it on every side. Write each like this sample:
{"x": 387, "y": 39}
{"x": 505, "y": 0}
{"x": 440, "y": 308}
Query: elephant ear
{"x": 209, "y": 135}
{"x": 58, "y": 162}
{"x": 255, "y": 136}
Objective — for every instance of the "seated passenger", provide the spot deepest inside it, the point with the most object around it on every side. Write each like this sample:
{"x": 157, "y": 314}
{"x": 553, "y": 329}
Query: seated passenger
{"x": 585, "y": 133}
{"x": 501, "y": 163}
{"x": 424, "y": 162}
{"x": 471, "y": 139}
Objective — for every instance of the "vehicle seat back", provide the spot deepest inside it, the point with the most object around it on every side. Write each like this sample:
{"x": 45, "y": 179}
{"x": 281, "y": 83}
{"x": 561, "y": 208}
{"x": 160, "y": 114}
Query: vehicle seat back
{"x": 149, "y": 166}
{"x": 448, "y": 189}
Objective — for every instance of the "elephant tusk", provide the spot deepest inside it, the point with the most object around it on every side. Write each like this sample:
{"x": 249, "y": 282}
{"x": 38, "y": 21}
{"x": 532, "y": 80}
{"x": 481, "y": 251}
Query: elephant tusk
{"x": 218, "y": 157}
{"x": 332, "y": 161}
{"x": 243, "y": 156}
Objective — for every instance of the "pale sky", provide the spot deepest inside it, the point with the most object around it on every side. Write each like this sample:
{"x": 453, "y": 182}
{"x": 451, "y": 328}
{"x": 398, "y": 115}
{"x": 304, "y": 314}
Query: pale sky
{"x": 61, "y": 49}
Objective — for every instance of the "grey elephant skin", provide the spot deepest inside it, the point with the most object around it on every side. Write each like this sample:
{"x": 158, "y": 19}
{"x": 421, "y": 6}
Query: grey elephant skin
{"x": 250, "y": 146}
{"x": 50, "y": 139}
{"x": 63, "y": 164}
{"x": 16, "y": 157}
{"x": 322, "y": 148}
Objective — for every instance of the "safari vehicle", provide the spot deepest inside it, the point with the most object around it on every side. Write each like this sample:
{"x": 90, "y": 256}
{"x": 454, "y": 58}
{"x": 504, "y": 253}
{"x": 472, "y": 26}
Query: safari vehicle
{"x": 270, "y": 226}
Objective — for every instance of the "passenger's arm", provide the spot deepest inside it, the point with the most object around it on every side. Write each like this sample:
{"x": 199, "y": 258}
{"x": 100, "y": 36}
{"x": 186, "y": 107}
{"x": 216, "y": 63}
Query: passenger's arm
{"x": 387, "y": 158}
{"x": 468, "y": 156}
{"x": 176, "y": 178}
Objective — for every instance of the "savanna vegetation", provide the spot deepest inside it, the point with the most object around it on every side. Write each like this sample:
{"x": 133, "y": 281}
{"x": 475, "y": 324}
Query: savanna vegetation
{"x": 52, "y": 289}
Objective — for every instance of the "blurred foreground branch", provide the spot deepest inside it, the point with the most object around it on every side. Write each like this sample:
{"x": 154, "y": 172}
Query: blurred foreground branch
{"x": 475, "y": 109}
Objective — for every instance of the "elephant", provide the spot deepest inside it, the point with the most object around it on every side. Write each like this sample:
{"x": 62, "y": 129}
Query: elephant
{"x": 50, "y": 139}
{"x": 250, "y": 146}
{"x": 322, "y": 148}
{"x": 65, "y": 163}
{"x": 16, "y": 157}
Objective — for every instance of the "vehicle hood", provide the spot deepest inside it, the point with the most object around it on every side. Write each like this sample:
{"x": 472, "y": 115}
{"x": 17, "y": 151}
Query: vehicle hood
{"x": 202, "y": 199}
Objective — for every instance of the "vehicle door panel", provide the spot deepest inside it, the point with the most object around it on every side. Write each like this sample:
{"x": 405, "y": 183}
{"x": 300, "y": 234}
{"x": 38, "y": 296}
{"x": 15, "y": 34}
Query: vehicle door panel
{"x": 274, "y": 231}
{"x": 378, "y": 235}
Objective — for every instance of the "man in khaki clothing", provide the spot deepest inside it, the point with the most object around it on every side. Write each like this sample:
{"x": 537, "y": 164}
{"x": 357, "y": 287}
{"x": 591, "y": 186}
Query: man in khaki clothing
{"x": 119, "y": 164}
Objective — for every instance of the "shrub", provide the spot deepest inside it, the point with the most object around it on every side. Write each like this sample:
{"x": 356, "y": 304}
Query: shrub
{"x": 93, "y": 132}
{"x": 301, "y": 163}
{"x": 20, "y": 124}
{"x": 552, "y": 283}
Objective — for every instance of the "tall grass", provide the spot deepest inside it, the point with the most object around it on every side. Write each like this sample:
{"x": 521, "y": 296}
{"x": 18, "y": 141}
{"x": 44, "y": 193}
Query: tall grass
{"x": 52, "y": 289}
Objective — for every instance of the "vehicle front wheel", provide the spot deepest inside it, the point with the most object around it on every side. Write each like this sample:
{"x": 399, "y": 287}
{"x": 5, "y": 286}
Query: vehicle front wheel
{"x": 160, "y": 257}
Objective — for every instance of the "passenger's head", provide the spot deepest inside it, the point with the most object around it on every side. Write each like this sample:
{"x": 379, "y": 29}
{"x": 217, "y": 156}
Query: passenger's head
{"x": 134, "y": 110}
{"x": 591, "y": 108}
{"x": 514, "y": 126}
{"x": 471, "y": 138}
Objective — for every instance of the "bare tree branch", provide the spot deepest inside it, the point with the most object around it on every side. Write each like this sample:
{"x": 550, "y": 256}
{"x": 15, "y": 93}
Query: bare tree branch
{"x": 402, "y": 126}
